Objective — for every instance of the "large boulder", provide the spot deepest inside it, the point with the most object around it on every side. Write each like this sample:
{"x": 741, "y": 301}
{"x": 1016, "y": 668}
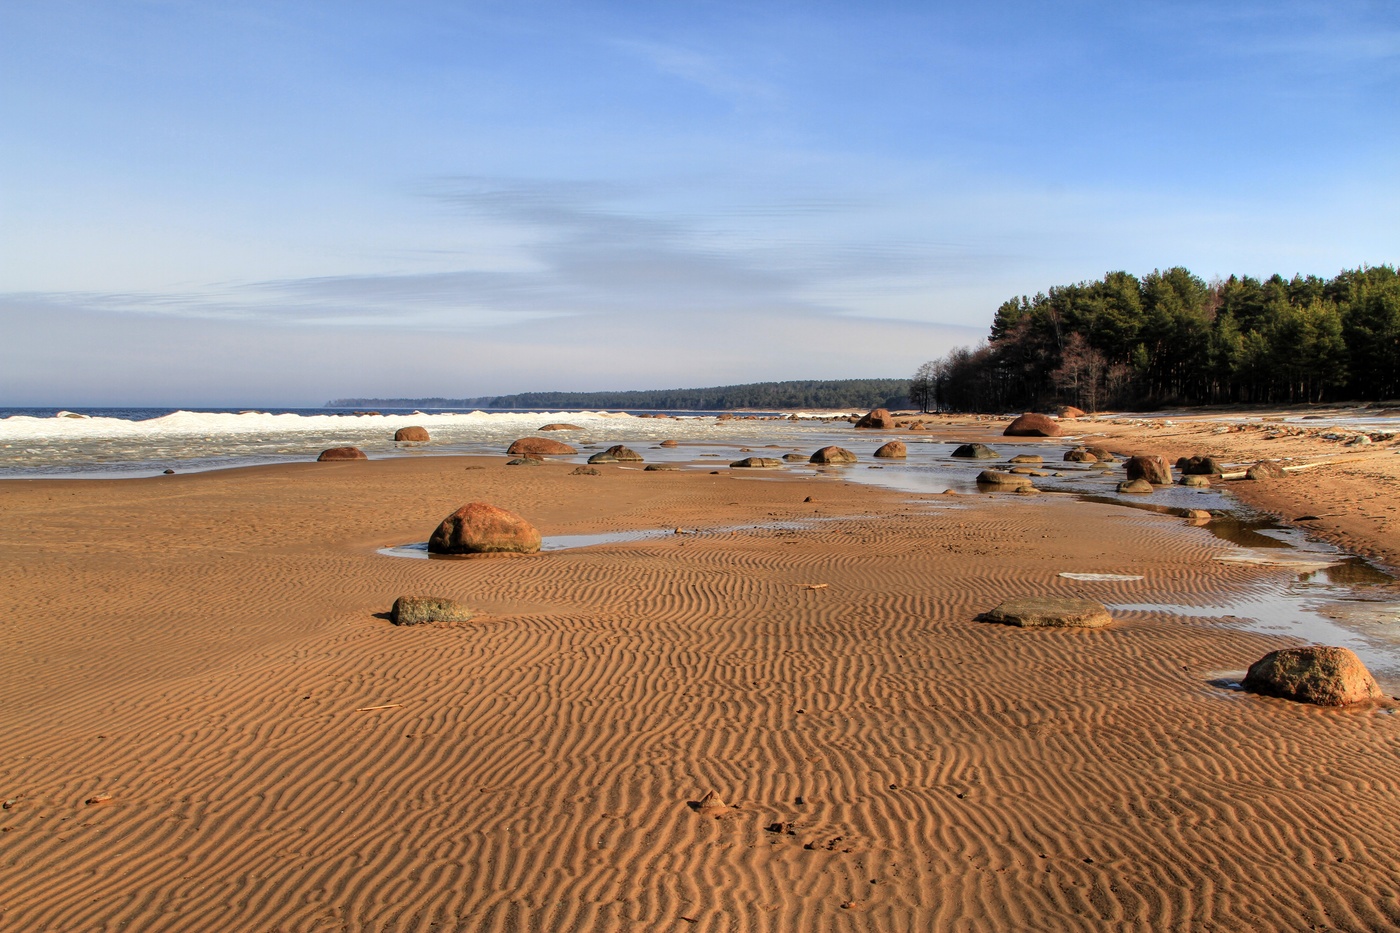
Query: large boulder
{"x": 1033, "y": 424}
{"x": 413, "y": 434}
{"x": 833, "y": 455}
{"x": 1265, "y": 469}
{"x": 479, "y": 528}
{"x": 1047, "y": 612}
{"x": 1198, "y": 465}
{"x": 1317, "y": 674}
{"x": 998, "y": 478}
{"x": 1151, "y": 468}
{"x": 975, "y": 452}
{"x": 419, "y": 610}
{"x": 757, "y": 463}
{"x": 615, "y": 454}
{"x": 894, "y": 450}
{"x": 877, "y": 418}
{"x": 341, "y": 453}
{"x": 539, "y": 447}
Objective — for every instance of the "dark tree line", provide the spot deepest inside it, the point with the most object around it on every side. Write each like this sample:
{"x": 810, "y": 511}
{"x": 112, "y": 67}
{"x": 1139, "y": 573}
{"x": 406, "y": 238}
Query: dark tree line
{"x": 1171, "y": 338}
{"x": 809, "y": 393}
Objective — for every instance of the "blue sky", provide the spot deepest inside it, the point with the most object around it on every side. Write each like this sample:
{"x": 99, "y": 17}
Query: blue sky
{"x": 279, "y": 203}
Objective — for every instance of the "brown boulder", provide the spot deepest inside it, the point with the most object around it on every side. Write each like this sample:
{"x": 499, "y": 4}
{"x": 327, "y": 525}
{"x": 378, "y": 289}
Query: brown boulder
{"x": 1151, "y": 468}
{"x": 561, "y": 427}
{"x": 1104, "y": 455}
{"x": 997, "y": 478}
{"x": 1080, "y": 455}
{"x": 662, "y": 467}
{"x": 876, "y": 418}
{"x": 1027, "y": 458}
{"x": 539, "y": 447}
{"x": 1265, "y": 469}
{"x": 1046, "y": 612}
{"x": 342, "y": 453}
{"x": 1137, "y": 486}
{"x": 479, "y": 528}
{"x": 415, "y": 434}
{"x": 794, "y": 458}
{"x": 1033, "y": 424}
{"x": 1069, "y": 411}
{"x": 418, "y": 610}
{"x": 1317, "y": 674}
{"x": 894, "y": 450}
{"x": 669, "y": 443}
{"x": 833, "y": 455}
{"x": 757, "y": 463}
{"x": 975, "y": 452}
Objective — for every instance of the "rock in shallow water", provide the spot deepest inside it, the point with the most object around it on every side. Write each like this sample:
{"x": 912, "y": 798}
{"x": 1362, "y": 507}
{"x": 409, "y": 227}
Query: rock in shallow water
{"x": 480, "y": 528}
{"x": 341, "y": 453}
{"x": 413, "y": 434}
{"x": 1319, "y": 674}
{"x": 757, "y": 463}
{"x": 420, "y": 610}
{"x": 833, "y": 455}
{"x": 1032, "y": 424}
{"x": 539, "y": 446}
{"x": 998, "y": 478}
{"x": 894, "y": 450}
{"x": 1047, "y": 612}
{"x": 977, "y": 452}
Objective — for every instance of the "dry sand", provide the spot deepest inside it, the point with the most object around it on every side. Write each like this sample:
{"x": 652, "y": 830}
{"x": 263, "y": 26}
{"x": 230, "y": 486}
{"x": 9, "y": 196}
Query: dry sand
{"x": 209, "y": 649}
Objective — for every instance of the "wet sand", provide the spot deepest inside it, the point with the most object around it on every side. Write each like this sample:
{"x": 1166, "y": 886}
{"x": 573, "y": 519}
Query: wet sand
{"x": 210, "y": 650}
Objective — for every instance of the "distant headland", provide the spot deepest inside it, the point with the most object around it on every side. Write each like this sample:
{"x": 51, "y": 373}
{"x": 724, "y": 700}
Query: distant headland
{"x": 802, "y": 393}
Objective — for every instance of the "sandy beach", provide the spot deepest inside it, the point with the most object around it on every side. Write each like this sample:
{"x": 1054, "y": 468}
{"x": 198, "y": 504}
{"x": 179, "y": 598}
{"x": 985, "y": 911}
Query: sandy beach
{"x": 207, "y": 659}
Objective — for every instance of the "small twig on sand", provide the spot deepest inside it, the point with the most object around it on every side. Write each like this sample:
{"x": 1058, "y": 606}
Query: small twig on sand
{"x": 370, "y": 709}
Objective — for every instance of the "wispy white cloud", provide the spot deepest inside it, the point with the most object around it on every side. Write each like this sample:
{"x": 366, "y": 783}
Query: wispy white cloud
{"x": 721, "y": 77}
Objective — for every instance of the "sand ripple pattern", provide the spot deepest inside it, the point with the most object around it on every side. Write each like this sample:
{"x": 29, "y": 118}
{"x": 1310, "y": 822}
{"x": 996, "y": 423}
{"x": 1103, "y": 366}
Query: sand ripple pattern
{"x": 934, "y": 773}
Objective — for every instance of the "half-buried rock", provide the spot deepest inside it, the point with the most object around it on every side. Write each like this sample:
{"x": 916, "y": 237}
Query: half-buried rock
{"x": 479, "y": 528}
{"x": 1048, "y": 612}
{"x": 833, "y": 455}
{"x": 420, "y": 610}
{"x": 1033, "y": 424}
{"x": 894, "y": 450}
{"x": 1317, "y": 674}
{"x": 616, "y": 454}
{"x": 1140, "y": 487}
{"x": 757, "y": 463}
{"x": 978, "y": 452}
{"x": 1005, "y": 480}
{"x": 539, "y": 447}
{"x": 341, "y": 453}
{"x": 413, "y": 434}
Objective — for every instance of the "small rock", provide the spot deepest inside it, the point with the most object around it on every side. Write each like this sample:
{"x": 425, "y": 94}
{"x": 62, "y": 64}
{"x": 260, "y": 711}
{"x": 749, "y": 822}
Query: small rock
{"x": 420, "y": 610}
{"x": 1080, "y": 455}
{"x": 1265, "y": 469}
{"x": 584, "y": 471}
{"x": 1198, "y": 516}
{"x": 561, "y": 427}
{"x": 1195, "y": 480}
{"x": 1104, "y": 455}
{"x": 894, "y": 450}
{"x": 168, "y": 472}
{"x": 1136, "y": 487}
{"x": 661, "y": 468}
{"x": 97, "y": 800}
{"x": 794, "y": 458}
{"x": 976, "y": 452}
{"x": 616, "y": 454}
{"x": 670, "y": 443}
{"x": 757, "y": 463}
{"x": 711, "y": 805}
{"x": 1027, "y": 458}
{"x": 524, "y": 461}
{"x": 998, "y": 478}
{"x": 1048, "y": 612}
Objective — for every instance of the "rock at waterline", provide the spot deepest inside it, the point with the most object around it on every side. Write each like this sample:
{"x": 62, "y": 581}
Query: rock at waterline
{"x": 1026, "y": 458}
{"x": 894, "y": 450}
{"x": 559, "y": 426}
{"x": 1319, "y": 674}
{"x": 1080, "y": 455}
{"x": 998, "y": 478}
{"x": 1033, "y": 424}
{"x": 977, "y": 452}
{"x": 525, "y": 461}
{"x": 480, "y": 528}
{"x": 420, "y": 610}
{"x": 341, "y": 453}
{"x": 757, "y": 463}
{"x": 1149, "y": 467}
{"x": 414, "y": 434}
{"x": 1265, "y": 469}
{"x": 1047, "y": 612}
{"x": 669, "y": 443}
{"x": 539, "y": 447}
{"x": 584, "y": 471}
{"x": 661, "y": 468}
{"x": 1104, "y": 454}
{"x": 616, "y": 454}
{"x": 1197, "y": 465}
{"x": 877, "y": 419}
{"x": 1195, "y": 480}
{"x": 833, "y": 455}
{"x": 1136, "y": 487}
